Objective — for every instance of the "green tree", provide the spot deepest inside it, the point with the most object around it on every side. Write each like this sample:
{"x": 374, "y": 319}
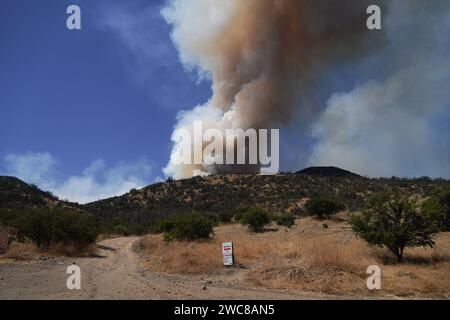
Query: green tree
{"x": 322, "y": 207}
{"x": 189, "y": 227}
{"x": 255, "y": 219}
{"x": 46, "y": 226}
{"x": 437, "y": 209}
{"x": 37, "y": 225}
{"x": 73, "y": 227}
{"x": 393, "y": 221}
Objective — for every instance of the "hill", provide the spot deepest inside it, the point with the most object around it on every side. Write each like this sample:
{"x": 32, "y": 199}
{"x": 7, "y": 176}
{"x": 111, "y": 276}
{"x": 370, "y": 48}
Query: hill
{"x": 215, "y": 196}
{"x": 327, "y": 172}
{"x": 225, "y": 194}
{"x": 17, "y": 194}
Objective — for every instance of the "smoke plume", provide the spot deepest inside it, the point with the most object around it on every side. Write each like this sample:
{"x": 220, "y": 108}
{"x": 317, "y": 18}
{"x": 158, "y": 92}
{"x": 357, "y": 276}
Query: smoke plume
{"x": 268, "y": 60}
{"x": 396, "y": 124}
{"x": 263, "y": 57}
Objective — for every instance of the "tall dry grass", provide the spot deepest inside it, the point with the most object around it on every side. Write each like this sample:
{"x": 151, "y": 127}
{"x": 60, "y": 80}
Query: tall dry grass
{"x": 27, "y": 251}
{"x": 21, "y": 251}
{"x": 72, "y": 250}
{"x": 306, "y": 257}
{"x": 4, "y": 237}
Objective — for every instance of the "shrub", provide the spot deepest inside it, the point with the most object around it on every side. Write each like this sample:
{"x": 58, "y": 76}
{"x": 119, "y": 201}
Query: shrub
{"x": 189, "y": 227}
{"x": 437, "y": 209}
{"x": 164, "y": 226}
{"x": 46, "y": 226}
{"x": 393, "y": 221}
{"x": 38, "y": 226}
{"x": 323, "y": 208}
{"x": 73, "y": 226}
{"x": 285, "y": 219}
{"x": 225, "y": 217}
{"x": 238, "y": 216}
{"x": 255, "y": 219}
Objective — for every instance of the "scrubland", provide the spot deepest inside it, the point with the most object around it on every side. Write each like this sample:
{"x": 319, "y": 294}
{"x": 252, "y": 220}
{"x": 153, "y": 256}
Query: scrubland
{"x": 321, "y": 256}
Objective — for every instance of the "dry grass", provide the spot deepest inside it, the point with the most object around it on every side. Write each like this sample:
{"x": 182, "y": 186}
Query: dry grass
{"x": 184, "y": 257}
{"x": 4, "y": 235}
{"x": 28, "y": 251}
{"x": 21, "y": 251}
{"x": 72, "y": 250}
{"x": 306, "y": 257}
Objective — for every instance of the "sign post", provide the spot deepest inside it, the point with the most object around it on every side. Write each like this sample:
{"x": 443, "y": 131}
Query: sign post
{"x": 228, "y": 256}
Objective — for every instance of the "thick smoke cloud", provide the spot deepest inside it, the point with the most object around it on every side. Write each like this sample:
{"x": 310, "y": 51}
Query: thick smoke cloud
{"x": 263, "y": 56}
{"x": 396, "y": 126}
{"x": 386, "y": 129}
{"x": 266, "y": 58}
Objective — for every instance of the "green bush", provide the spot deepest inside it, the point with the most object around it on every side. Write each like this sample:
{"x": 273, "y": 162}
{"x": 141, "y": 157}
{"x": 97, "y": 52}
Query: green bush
{"x": 124, "y": 227}
{"x": 285, "y": 219}
{"x": 188, "y": 227}
{"x": 437, "y": 209}
{"x": 393, "y": 221}
{"x": 38, "y": 226}
{"x": 255, "y": 219}
{"x": 46, "y": 226}
{"x": 238, "y": 216}
{"x": 225, "y": 217}
{"x": 164, "y": 226}
{"x": 74, "y": 226}
{"x": 322, "y": 207}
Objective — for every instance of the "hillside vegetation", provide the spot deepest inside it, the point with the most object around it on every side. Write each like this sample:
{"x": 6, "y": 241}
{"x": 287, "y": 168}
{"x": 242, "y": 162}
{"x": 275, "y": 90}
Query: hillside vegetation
{"x": 33, "y": 221}
{"x": 17, "y": 194}
{"x": 220, "y": 195}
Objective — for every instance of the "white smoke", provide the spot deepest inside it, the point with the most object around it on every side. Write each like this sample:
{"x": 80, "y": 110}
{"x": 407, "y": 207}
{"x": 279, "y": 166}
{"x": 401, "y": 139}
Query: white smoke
{"x": 388, "y": 127}
{"x": 262, "y": 56}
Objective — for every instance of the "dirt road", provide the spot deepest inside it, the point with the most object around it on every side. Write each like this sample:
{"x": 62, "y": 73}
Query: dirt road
{"x": 118, "y": 274}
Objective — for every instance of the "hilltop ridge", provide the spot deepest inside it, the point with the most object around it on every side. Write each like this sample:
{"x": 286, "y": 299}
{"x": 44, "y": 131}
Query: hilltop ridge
{"x": 17, "y": 194}
{"x": 217, "y": 195}
{"x": 327, "y": 172}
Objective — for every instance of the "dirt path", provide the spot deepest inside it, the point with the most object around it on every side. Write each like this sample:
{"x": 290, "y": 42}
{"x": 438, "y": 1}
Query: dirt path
{"x": 117, "y": 274}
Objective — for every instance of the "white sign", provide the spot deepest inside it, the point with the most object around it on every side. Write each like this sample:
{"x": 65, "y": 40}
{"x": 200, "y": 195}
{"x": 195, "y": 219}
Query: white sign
{"x": 227, "y": 251}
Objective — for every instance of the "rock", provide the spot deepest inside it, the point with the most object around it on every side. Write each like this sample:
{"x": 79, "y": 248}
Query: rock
{"x": 204, "y": 288}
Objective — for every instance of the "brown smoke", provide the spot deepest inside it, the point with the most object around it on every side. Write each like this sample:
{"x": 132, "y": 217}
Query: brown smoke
{"x": 264, "y": 56}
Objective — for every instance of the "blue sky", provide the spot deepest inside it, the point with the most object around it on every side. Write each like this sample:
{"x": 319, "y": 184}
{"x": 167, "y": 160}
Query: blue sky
{"x": 84, "y": 96}
{"x": 89, "y": 114}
